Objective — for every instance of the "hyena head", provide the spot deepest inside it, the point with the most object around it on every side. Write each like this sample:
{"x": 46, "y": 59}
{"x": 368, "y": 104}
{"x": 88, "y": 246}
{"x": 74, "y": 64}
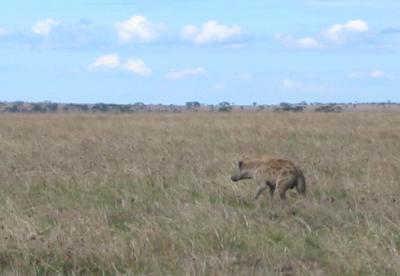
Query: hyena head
{"x": 244, "y": 172}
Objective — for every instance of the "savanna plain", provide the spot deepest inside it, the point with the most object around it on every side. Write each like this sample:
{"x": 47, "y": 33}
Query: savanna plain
{"x": 150, "y": 194}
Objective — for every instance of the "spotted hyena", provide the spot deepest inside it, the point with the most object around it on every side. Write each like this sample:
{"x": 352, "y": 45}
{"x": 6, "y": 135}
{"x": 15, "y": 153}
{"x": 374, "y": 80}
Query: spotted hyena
{"x": 273, "y": 173}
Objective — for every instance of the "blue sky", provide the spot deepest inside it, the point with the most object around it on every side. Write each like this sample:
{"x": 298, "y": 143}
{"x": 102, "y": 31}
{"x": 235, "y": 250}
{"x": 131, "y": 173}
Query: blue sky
{"x": 155, "y": 51}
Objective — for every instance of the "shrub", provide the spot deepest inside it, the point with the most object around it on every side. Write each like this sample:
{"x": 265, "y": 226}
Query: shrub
{"x": 225, "y": 107}
{"x": 329, "y": 108}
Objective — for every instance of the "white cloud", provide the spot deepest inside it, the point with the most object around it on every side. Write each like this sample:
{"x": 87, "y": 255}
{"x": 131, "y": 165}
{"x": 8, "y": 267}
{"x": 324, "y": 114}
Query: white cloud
{"x": 106, "y": 62}
{"x": 138, "y": 28}
{"x": 340, "y": 3}
{"x": 355, "y": 75}
{"x": 52, "y": 34}
{"x": 112, "y": 62}
{"x": 245, "y": 77}
{"x": 290, "y": 84}
{"x": 211, "y": 32}
{"x": 189, "y": 32}
{"x": 338, "y": 32}
{"x": 303, "y": 42}
{"x": 44, "y": 27}
{"x": 176, "y": 75}
{"x": 219, "y": 87}
{"x": 373, "y": 74}
{"x": 377, "y": 74}
{"x": 138, "y": 67}
{"x": 306, "y": 42}
{"x": 3, "y": 31}
{"x": 237, "y": 45}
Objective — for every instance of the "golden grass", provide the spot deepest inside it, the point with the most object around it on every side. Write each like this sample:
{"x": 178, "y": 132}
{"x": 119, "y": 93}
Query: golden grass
{"x": 150, "y": 194}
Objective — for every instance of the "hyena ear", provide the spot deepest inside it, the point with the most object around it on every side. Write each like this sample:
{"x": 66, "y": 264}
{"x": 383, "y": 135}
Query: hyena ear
{"x": 240, "y": 164}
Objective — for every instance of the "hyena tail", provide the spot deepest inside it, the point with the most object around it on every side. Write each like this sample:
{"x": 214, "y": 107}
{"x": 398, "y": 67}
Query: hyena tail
{"x": 301, "y": 183}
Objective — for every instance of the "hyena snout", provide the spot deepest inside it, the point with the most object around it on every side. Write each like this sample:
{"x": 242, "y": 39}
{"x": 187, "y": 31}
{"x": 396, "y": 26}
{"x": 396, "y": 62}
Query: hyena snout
{"x": 235, "y": 177}
{"x": 241, "y": 176}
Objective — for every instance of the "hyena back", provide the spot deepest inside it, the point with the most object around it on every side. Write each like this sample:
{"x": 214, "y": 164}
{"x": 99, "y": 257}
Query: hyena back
{"x": 273, "y": 173}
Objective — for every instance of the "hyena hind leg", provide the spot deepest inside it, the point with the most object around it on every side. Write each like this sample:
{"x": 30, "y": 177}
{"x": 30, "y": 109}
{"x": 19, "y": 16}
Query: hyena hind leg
{"x": 284, "y": 185}
{"x": 301, "y": 184}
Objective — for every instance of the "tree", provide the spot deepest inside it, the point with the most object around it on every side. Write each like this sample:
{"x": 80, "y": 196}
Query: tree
{"x": 101, "y": 107}
{"x": 329, "y": 108}
{"x": 51, "y": 107}
{"x": 13, "y": 108}
{"x": 289, "y": 107}
{"x": 37, "y": 107}
{"x": 84, "y": 107}
{"x": 225, "y": 107}
{"x": 192, "y": 105}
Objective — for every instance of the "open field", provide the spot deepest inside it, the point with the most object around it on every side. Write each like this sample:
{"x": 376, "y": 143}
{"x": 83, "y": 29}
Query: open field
{"x": 150, "y": 194}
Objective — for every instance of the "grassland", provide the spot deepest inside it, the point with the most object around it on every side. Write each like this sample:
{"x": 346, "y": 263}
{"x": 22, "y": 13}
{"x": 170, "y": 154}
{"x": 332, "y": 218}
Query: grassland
{"x": 150, "y": 194}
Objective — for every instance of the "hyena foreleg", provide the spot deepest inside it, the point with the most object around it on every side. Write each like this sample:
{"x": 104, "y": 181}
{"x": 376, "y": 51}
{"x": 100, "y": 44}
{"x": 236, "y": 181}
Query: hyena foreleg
{"x": 263, "y": 186}
{"x": 272, "y": 188}
{"x": 260, "y": 189}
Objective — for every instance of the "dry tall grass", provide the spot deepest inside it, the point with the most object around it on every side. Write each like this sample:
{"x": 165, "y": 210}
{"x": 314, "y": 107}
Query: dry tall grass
{"x": 151, "y": 194}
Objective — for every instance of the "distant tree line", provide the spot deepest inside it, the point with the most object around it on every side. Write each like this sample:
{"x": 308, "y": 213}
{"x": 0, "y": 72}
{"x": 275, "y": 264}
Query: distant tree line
{"x": 50, "y": 107}
{"x": 192, "y": 106}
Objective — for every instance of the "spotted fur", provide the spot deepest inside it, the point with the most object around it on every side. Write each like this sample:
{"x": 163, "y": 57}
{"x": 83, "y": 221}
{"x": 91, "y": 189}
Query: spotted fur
{"x": 273, "y": 173}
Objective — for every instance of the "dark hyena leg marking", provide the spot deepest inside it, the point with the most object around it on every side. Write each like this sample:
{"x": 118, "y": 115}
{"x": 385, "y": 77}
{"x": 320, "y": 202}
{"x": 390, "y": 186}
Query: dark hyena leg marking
{"x": 272, "y": 188}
